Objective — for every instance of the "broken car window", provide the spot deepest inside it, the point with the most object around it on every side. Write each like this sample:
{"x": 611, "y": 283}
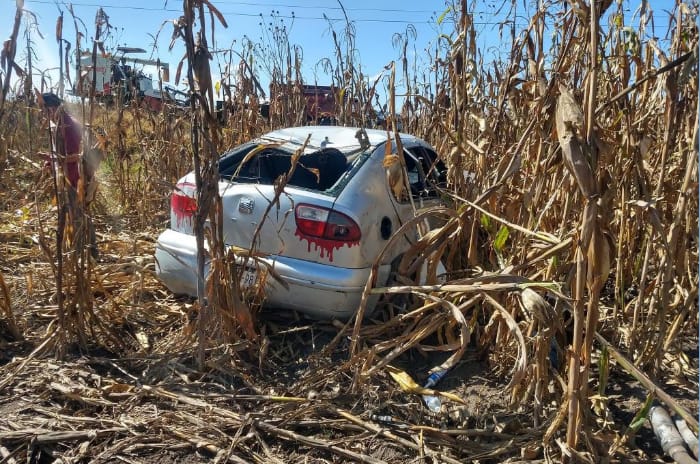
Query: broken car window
{"x": 319, "y": 170}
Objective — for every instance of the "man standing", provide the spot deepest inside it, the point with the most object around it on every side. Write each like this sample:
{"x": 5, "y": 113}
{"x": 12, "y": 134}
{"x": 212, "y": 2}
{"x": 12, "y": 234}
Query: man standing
{"x": 67, "y": 136}
{"x": 66, "y": 140}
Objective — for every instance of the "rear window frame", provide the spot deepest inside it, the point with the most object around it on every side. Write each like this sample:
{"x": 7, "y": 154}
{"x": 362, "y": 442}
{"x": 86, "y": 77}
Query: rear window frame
{"x": 235, "y": 156}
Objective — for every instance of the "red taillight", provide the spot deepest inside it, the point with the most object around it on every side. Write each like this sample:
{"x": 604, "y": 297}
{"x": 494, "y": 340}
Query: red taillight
{"x": 183, "y": 205}
{"x": 182, "y": 201}
{"x": 325, "y": 223}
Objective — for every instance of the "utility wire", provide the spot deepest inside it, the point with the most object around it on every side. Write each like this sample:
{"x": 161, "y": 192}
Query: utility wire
{"x": 296, "y": 6}
{"x": 283, "y": 16}
{"x": 313, "y": 18}
{"x": 261, "y": 5}
{"x": 322, "y": 7}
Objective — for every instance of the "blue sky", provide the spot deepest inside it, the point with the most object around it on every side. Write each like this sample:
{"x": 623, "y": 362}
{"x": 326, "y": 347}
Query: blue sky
{"x": 136, "y": 24}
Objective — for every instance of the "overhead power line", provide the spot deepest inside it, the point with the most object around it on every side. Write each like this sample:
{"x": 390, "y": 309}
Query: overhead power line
{"x": 262, "y": 5}
{"x": 506, "y": 19}
{"x": 322, "y": 7}
{"x": 283, "y": 16}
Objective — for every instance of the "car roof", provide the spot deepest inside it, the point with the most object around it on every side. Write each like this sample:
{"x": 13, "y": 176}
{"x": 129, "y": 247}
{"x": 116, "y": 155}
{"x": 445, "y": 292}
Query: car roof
{"x": 342, "y": 138}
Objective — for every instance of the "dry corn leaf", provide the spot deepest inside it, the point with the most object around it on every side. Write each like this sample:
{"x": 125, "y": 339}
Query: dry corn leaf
{"x": 520, "y": 367}
{"x": 117, "y": 388}
{"x": 600, "y": 255}
{"x": 569, "y": 121}
{"x": 315, "y": 171}
{"x": 253, "y": 153}
{"x": 215, "y": 12}
{"x": 59, "y": 28}
{"x": 242, "y": 313}
{"x": 538, "y": 308}
{"x": 589, "y": 223}
{"x": 408, "y": 385}
{"x": 394, "y": 174}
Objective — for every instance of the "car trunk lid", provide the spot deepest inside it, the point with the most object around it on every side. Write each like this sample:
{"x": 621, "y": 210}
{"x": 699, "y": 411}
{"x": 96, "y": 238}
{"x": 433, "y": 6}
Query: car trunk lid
{"x": 298, "y": 222}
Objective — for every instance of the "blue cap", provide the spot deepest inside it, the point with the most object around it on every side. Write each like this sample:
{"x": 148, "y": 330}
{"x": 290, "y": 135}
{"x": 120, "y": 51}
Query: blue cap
{"x": 51, "y": 99}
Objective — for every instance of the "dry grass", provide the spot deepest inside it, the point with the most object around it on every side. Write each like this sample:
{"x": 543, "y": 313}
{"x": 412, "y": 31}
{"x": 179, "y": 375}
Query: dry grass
{"x": 575, "y": 238}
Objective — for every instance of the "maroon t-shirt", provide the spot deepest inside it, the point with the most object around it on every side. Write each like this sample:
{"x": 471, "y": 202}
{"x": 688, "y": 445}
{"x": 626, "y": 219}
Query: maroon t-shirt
{"x": 68, "y": 138}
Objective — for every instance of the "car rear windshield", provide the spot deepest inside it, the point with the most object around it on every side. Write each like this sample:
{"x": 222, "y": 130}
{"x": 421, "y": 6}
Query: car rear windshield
{"x": 318, "y": 170}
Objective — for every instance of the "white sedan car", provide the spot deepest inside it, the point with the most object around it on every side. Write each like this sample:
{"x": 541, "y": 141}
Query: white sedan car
{"x": 326, "y": 229}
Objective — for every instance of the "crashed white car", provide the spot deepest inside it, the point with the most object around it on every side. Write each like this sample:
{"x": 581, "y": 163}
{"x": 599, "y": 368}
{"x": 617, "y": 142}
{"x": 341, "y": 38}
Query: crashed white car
{"x": 334, "y": 217}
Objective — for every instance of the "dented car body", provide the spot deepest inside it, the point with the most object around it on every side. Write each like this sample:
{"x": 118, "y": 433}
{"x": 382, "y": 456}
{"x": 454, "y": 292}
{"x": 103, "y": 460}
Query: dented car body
{"x": 324, "y": 232}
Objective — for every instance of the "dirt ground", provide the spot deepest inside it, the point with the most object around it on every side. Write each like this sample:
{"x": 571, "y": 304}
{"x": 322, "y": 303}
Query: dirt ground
{"x": 296, "y": 397}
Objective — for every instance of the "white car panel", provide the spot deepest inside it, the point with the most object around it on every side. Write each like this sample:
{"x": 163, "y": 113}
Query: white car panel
{"x": 325, "y": 276}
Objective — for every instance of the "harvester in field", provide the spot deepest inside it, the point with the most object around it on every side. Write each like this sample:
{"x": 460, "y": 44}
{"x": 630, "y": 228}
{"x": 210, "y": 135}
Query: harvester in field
{"x": 119, "y": 78}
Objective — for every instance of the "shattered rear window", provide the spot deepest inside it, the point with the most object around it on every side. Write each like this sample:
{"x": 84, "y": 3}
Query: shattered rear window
{"x": 319, "y": 170}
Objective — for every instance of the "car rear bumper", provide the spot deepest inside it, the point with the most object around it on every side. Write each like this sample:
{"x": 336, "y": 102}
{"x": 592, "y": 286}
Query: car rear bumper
{"x": 319, "y": 290}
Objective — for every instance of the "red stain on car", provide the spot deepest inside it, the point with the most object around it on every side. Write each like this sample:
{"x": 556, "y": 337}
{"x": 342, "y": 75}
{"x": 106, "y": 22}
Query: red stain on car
{"x": 182, "y": 204}
{"x": 326, "y": 246}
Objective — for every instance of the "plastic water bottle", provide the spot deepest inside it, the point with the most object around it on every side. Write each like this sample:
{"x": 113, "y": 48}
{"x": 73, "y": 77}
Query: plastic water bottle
{"x": 433, "y": 402}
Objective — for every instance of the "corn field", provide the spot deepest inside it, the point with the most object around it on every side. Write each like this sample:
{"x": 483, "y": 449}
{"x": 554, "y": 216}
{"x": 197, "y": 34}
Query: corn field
{"x": 570, "y": 237}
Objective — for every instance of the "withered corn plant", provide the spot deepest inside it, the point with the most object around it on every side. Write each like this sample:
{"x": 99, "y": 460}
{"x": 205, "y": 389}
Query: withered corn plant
{"x": 8, "y": 314}
{"x": 149, "y": 153}
{"x": 78, "y": 320}
{"x": 353, "y": 93}
{"x": 241, "y": 114}
{"x": 281, "y": 61}
{"x": 223, "y": 312}
{"x": 571, "y": 166}
{"x": 344, "y": 68}
{"x": 14, "y": 133}
{"x": 7, "y": 59}
{"x": 570, "y": 226}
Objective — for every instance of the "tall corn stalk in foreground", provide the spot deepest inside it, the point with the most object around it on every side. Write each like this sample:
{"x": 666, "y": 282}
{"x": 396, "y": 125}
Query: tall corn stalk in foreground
{"x": 222, "y": 309}
{"x": 78, "y": 319}
{"x": 618, "y": 205}
{"x": 592, "y": 249}
{"x": 7, "y": 59}
{"x": 18, "y": 119}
